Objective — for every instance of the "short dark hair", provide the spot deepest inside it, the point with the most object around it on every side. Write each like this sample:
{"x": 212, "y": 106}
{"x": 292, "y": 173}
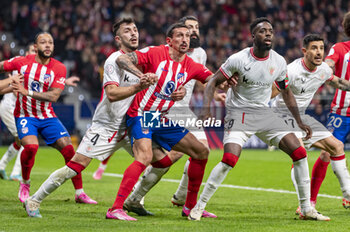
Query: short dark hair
{"x": 310, "y": 38}
{"x": 188, "y": 17}
{"x": 257, "y": 21}
{"x": 170, "y": 31}
{"x": 119, "y": 22}
{"x": 346, "y": 24}
{"x": 40, "y": 33}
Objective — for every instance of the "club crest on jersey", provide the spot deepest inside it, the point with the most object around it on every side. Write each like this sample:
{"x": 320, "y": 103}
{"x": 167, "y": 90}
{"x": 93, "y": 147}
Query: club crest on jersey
{"x": 169, "y": 87}
{"x": 25, "y": 130}
{"x": 180, "y": 78}
{"x": 47, "y": 78}
{"x": 272, "y": 69}
{"x": 35, "y": 86}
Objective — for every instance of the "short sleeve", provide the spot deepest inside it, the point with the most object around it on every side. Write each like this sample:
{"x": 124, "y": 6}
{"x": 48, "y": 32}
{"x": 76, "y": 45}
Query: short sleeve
{"x": 13, "y": 63}
{"x": 333, "y": 54}
{"x": 230, "y": 66}
{"x": 111, "y": 74}
{"x": 201, "y": 73}
{"x": 60, "y": 77}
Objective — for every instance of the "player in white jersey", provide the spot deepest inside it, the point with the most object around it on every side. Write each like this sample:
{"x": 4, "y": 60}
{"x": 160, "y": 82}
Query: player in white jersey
{"x": 248, "y": 113}
{"x": 306, "y": 75}
{"x": 108, "y": 131}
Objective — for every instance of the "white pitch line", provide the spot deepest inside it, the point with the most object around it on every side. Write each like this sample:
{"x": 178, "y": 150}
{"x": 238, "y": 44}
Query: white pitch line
{"x": 235, "y": 187}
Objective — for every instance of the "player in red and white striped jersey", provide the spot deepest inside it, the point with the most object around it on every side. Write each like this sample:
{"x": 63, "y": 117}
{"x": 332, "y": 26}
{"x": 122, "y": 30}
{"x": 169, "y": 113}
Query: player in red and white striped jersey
{"x": 44, "y": 80}
{"x": 339, "y": 119}
{"x": 173, "y": 68}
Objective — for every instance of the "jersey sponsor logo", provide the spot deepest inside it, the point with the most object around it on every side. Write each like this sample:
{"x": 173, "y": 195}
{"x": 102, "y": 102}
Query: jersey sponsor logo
{"x": 35, "y": 86}
{"x": 130, "y": 80}
{"x": 165, "y": 70}
{"x": 161, "y": 96}
{"x": 170, "y": 87}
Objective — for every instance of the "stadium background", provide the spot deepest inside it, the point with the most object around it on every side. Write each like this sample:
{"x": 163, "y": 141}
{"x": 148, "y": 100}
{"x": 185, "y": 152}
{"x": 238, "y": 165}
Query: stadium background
{"x": 83, "y": 40}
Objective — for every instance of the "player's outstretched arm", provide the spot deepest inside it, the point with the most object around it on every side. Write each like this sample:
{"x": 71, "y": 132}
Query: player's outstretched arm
{"x": 289, "y": 99}
{"x": 51, "y": 95}
{"x": 128, "y": 62}
{"x": 214, "y": 81}
{"x": 339, "y": 83}
{"x": 117, "y": 93}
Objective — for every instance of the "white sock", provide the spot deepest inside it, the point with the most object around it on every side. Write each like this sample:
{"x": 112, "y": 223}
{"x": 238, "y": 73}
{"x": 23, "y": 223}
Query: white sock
{"x": 8, "y": 156}
{"x": 79, "y": 191}
{"x": 55, "y": 180}
{"x": 302, "y": 178}
{"x": 217, "y": 176}
{"x": 341, "y": 171}
{"x": 103, "y": 166}
{"x": 16, "y": 170}
{"x": 292, "y": 176}
{"x": 181, "y": 191}
{"x": 149, "y": 179}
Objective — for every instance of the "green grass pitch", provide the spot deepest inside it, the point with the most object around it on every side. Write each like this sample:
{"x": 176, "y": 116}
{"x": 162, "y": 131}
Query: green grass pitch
{"x": 237, "y": 209}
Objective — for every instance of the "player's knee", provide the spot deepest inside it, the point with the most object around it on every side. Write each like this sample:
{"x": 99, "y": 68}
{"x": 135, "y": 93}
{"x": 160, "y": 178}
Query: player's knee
{"x": 298, "y": 154}
{"x": 28, "y": 154}
{"x": 230, "y": 159}
{"x": 31, "y": 148}
{"x": 325, "y": 156}
{"x": 338, "y": 147}
{"x": 203, "y": 153}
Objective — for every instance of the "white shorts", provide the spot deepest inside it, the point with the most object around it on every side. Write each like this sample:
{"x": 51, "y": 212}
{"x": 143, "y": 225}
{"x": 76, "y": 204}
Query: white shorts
{"x": 99, "y": 142}
{"x": 6, "y": 114}
{"x": 265, "y": 124}
{"x": 319, "y": 131}
{"x": 185, "y": 113}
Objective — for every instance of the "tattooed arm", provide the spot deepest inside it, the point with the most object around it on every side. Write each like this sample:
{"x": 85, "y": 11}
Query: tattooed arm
{"x": 128, "y": 62}
{"x": 339, "y": 83}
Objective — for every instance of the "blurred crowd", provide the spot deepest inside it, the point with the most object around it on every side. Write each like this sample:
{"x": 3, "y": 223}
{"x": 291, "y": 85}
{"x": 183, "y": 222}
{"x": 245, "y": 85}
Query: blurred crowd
{"x": 83, "y": 36}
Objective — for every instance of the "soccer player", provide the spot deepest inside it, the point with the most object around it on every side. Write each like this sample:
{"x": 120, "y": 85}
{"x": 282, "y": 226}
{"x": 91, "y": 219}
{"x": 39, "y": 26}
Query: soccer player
{"x": 44, "y": 79}
{"x": 108, "y": 130}
{"x": 174, "y": 69}
{"x": 339, "y": 120}
{"x": 248, "y": 113}
{"x": 305, "y": 76}
{"x": 153, "y": 174}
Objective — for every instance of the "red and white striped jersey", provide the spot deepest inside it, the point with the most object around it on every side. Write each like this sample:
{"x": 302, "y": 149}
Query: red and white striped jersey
{"x": 340, "y": 54}
{"x": 39, "y": 78}
{"x": 171, "y": 75}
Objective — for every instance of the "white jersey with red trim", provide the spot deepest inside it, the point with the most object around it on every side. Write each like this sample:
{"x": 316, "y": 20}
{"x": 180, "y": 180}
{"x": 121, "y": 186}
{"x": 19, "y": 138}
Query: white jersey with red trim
{"x": 171, "y": 75}
{"x": 340, "y": 54}
{"x": 38, "y": 78}
{"x": 112, "y": 114}
{"x": 256, "y": 76}
{"x": 198, "y": 55}
{"x": 303, "y": 83}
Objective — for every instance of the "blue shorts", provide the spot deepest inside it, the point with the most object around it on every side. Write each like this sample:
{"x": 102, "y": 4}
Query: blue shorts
{"x": 339, "y": 126}
{"x": 164, "y": 136}
{"x": 50, "y": 129}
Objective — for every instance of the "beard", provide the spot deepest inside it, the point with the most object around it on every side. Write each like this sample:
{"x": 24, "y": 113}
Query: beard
{"x": 194, "y": 41}
{"x": 42, "y": 54}
{"x": 262, "y": 46}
